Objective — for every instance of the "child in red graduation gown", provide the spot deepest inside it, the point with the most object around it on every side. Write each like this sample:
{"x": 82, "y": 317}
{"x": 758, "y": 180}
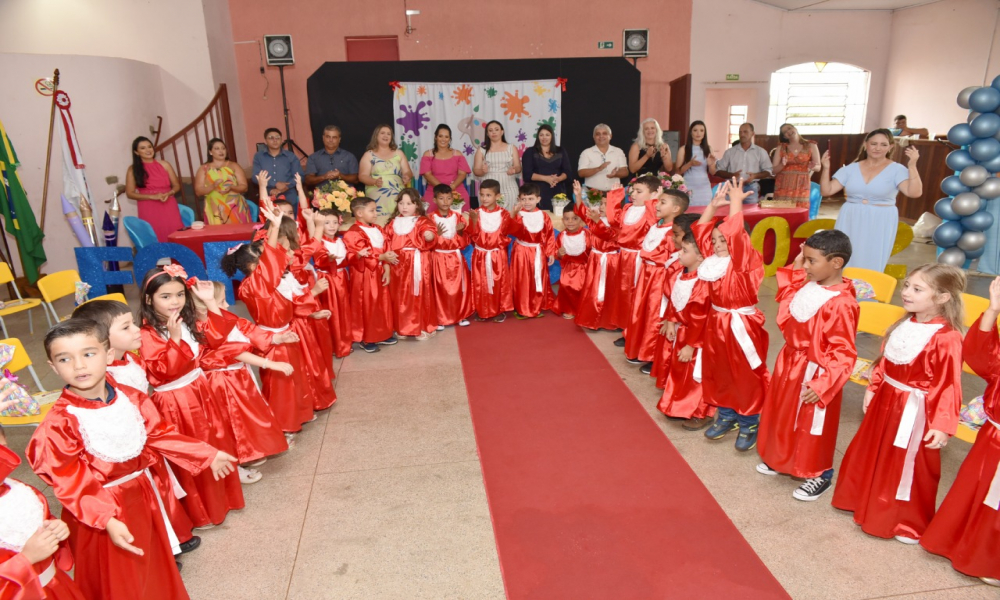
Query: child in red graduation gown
{"x": 631, "y": 221}
{"x": 966, "y": 529}
{"x": 818, "y": 315}
{"x": 371, "y": 305}
{"x": 95, "y": 448}
{"x": 332, "y": 264}
{"x": 735, "y": 341}
{"x": 452, "y": 282}
{"x": 534, "y": 251}
{"x": 489, "y": 226}
{"x": 574, "y": 248}
{"x": 889, "y": 475}
{"x": 664, "y": 352}
{"x": 410, "y": 234}
{"x": 34, "y": 552}
{"x": 173, "y": 344}
{"x": 602, "y": 264}
{"x": 269, "y": 302}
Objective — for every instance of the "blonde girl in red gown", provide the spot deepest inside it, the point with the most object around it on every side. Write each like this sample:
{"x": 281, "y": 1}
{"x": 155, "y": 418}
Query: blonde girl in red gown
{"x": 966, "y": 529}
{"x": 410, "y": 234}
{"x": 452, "y": 280}
{"x": 889, "y": 475}
{"x": 631, "y": 222}
{"x": 574, "y": 249}
{"x": 332, "y": 263}
{"x": 489, "y": 226}
{"x": 602, "y": 265}
{"x": 533, "y": 252}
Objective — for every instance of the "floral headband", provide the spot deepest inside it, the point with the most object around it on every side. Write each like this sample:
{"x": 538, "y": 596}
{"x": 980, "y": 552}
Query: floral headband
{"x": 173, "y": 270}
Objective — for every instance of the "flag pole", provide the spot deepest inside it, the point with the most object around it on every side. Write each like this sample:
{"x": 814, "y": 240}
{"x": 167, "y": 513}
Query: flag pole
{"x": 48, "y": 151}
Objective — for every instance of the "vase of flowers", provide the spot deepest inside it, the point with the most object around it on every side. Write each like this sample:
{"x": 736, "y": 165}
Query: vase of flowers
{"x": 667, "y": 181}
{"x": 457, "y": 201}
{"x": 593, "y": 198}
{"x": 339, "y": 196}
{"x": 559, "y": 203}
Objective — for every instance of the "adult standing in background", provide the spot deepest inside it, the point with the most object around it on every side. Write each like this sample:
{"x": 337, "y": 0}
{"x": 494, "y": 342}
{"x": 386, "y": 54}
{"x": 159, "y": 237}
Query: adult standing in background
{"x": 694, "y": 159}
{"x": 152, "y": 183}
{"x": 444, "y": 165}
{"x": 331, "y": 162}
{"x": 223, "y": 184}
{"x": 546, "y": 164}
{"x": 500, "y": 161}
{"x": 904, "y": 129}
{"x": 602, "y": 163}
{"x": 794, "y": 163}
{"x": 746, "y": 161}
{"x": 870, "y": 183}
{"x": 649, "y": 153}
{"x": 281, "y": 165}
{"x": 384, "y": 170}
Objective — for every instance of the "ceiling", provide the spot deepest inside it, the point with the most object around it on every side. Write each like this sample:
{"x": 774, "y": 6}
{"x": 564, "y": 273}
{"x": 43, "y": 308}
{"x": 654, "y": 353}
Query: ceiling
{"x": 817, "y": 5}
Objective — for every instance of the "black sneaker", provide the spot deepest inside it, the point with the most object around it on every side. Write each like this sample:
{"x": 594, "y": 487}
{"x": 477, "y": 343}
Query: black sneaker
{"x": 646, "y": 368}
{"x": 500, "y": 318}
{"x": 747, "y": 439}
{"x": 633, "y": 361}
{"x": 369, "y": 347}
{"x": 191, "y": 544}
{"x": 620, "y": 342}
{"x": 812, "y": 489}
{"x": 389, "y": 342}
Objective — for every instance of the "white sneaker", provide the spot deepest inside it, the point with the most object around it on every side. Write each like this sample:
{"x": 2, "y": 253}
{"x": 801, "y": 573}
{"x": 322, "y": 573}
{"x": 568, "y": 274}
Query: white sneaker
{"x": 257, "y": 463}
{"x": 763, "y": 469}
{"x": 906, "y": 540}
{"x": 440, "y": 327}
{"x": 204, "y": 527}
{"x": 249, "y": 476}
{"x": 290, "y": 438}
{"x": 990, "y": 581}
{"x": 463, "y": 323}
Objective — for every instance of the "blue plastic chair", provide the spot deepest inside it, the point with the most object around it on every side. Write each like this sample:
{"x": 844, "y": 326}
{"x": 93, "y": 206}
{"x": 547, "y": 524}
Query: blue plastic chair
{"x": 187, "y": 214}
{"x": 815, "y": 199}
{"x": 254, "y": 210}
{"x": 140, "y": 232}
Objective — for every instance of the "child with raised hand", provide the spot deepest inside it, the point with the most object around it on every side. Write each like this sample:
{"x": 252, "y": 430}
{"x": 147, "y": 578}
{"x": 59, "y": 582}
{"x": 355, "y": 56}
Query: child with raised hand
{"x": 452, "y": 283}
{"x": 574, "y": 248}
{"x": 332, "y": 263}
{"x": 371, "y": 304}
{"x": 227, "y": 368}
{"x": 173, "y": 343}
{"x": 410, "y": 234}
{"x": 94, "y": 448}
{"x": 489, "y": 226}
{"x": 818, "y": 316}
{"x": 890, "y": 473}
{"x": 967, "y": 526}
{"x": 631, "y": 221}
{"x": 602, "y": 264}
{"x": 534, "y": 251}
{"x": 269, "y": 303}
{"x": 735, "y": 342}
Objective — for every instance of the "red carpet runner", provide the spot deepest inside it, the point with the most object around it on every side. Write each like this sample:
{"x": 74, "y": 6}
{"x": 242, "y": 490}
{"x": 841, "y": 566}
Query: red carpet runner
{"x": 588, "y": 497}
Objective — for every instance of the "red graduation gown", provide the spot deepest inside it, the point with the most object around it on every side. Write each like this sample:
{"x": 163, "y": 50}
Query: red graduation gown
{"x": 62, "y": 458}
{"x": 657, "y": 256}
{"x": 682, "y": 393}
{"x": 631, "y": 222}
{"x": 534, "y": 242}
{"x": 602, "y": 266}
{"x": 253, "y": 425}
{"x": 874, "y": 471}
{"x": 411, "y": 282}
{"x": 19, "y": 579}
{"x": 290, "y": 398}
{"x": 452, "y": 281}
{"x": 314, "y": 334}
{"x": 336, "y": 299}
{"x": 574, "y": 271}
{"x": 966, "y": 529}
{"x": 795, "y": 438}
{"x": 663, "y": 350}
{"x": 729, "y": 380}
{"x": 491, "y": 288}
{"x": 371, "y": 308}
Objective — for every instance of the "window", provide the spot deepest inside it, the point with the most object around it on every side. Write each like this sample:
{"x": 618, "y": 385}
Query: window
{"x": 819, "y": 98}
{"x": 737, "y": 117}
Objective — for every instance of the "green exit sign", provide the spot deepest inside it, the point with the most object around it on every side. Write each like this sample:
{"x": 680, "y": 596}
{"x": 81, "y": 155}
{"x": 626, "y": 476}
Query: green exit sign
{"x": 605, "y": 45}
{"x": 732, "y": 76}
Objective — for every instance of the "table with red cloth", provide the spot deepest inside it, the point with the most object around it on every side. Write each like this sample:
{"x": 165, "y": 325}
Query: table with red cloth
{"x": 196, "y": 238}
{"x": 753, "y": 214}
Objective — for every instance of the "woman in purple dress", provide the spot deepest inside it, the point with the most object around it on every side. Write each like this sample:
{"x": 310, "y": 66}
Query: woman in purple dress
{"x": 152, "y": 183}
{"x": 444, "y": 165}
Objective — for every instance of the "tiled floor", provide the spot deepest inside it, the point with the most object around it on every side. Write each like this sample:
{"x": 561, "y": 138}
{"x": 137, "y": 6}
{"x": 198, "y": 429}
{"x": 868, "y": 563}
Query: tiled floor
{"x": 382, "y": 496}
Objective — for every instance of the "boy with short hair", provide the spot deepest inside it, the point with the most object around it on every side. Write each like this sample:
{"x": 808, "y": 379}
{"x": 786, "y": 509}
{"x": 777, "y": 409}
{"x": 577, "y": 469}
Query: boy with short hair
{"x": 574, "y": 248}
{"x": 818, "y": 315}
{"x": 489, "y": 226}
{"x": 452, "y": 286}
{"x": 371, "y": 308}
{"x": 95, "y": 448}
{"x": 534, "y": 251}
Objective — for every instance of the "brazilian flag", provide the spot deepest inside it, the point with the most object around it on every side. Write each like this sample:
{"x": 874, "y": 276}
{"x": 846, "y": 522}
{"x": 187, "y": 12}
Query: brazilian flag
{"x": 17, "y": 213}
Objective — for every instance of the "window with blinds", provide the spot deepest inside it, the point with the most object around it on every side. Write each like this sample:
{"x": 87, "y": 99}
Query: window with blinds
{"x": 819, "y": 98}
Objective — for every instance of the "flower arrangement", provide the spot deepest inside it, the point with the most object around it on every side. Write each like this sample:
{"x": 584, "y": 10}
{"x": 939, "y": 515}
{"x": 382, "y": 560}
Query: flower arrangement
{"x": 669, "y": 182}
{"x": 561, "y": 198}
{"x": 457, "y": 199}
{"x": 338, "y": 194}
{"x": 594, "y": 198}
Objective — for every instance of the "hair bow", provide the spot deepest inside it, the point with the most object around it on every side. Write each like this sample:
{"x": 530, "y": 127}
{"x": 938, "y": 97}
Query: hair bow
{"x": 175, "y": 270}
{"x": 234, "y": 249}
{"x": 259, "y": 233}
{"x": 191, "y": 282}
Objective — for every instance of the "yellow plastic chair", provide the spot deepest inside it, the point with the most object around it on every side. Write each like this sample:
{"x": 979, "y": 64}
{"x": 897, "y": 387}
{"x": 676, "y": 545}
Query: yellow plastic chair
{"x": 117, "y": 297}
{"x": 884, "y": 285}
{"x": 15, "y": 306}
{"x": 874, "y": 318}
{"x": 46, "y": 399}
{"x": 55, "y": 286}
{"x": 974, "y": 306}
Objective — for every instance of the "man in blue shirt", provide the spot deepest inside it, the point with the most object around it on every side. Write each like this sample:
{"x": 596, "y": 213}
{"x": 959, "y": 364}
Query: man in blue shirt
{"x": 332, "y": 162}
{"x": 281, "y": 165}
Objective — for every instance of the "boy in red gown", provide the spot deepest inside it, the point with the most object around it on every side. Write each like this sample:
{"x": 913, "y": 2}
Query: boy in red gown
{"x": 818, "y": 316}
{"x": 574, "y": 248}
{"x": 371, "y": 309}
{"x": 452, "y": 283}
{"x": 332, "y": 263}
{"x": 489, "y": 226}
{"x": 534, "y": 251}
{"x": 602, "y": 265}
{"x": 664, "y": 352}
{"x": 95, "y": 448}
{"x": 631, "y": 221}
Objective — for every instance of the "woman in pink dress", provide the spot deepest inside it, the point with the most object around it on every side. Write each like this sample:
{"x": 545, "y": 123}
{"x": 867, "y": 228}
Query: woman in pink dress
{"x": 444, "y": 165}
{"x": 152, "y": 183}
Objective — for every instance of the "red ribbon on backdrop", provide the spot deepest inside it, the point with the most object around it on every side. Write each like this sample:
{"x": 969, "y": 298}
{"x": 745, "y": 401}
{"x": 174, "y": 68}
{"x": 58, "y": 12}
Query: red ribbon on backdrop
{"x": 561, "y": 82}
{"x": 394, "y": 85}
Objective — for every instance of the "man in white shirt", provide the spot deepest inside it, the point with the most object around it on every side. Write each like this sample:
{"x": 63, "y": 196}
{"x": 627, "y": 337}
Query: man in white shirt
{"x": 602, "y": 163}
{"x": 746, "y": 160}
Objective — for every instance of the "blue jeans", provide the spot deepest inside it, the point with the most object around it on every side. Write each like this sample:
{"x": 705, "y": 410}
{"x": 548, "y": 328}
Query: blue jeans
{"x": 754, "y": 188}
{"x": 827, "y": 474}
{"x": 728, "y": 414}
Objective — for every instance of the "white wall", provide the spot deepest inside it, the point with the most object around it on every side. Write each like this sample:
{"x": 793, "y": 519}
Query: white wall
{"x": 113, "y": 101}
{"x": 222, "y": 57}
{"x": 936, "y": 51}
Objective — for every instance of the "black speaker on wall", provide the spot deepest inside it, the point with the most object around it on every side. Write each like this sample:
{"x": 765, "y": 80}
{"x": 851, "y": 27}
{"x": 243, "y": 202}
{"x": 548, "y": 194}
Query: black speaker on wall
{"x": 635, "y": 43}
{"x": 279, "y": 50}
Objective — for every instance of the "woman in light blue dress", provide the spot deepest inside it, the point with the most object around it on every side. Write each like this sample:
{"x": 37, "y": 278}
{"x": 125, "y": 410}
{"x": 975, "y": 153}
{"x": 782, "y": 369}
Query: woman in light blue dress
{"x": 871, "y": 183}
{"x": 694, "y": 160}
